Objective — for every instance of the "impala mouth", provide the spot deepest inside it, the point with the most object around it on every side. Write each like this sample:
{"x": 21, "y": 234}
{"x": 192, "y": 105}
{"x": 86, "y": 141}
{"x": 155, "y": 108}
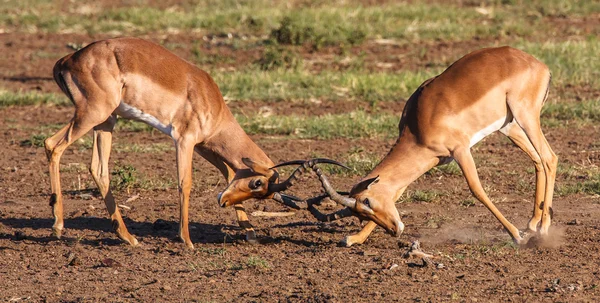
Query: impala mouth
{"x": 397, "y": 229}
{"x": 221, "y": 203}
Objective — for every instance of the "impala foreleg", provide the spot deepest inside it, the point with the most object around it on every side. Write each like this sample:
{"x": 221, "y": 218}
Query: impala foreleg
{"x": 467, "y": 164}
{"x": 185, "y": 152}
{"x": 100, "y": 173}
{"x": 361, "y": 236}
{"x": 244, "y": 223}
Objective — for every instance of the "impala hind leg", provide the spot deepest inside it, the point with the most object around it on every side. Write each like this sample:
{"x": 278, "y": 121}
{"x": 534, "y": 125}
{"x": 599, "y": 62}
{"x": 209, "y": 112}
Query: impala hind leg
{"x": 517, "y": 135}
{"x": 100, "y": 173}
{"x": 185, "y": 153}
{"x": 531, "y": 126}
{"x": 467, "y": 164}
{"x": 361, "y": 236}
{"x": 55, "y": 147}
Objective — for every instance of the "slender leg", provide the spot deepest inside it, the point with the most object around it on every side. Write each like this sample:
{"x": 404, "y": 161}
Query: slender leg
{"x": 240, "y": 211}
{"x": 55, "y": 147}
{"x": 465, "y": 161}
{"x": 244, "y": 223}
{"x": 185, "y": 152}
{"x": 530, "y": 123}
{"x": 100, "y": 173}
{"x": 518, "y": 136}
{"x": 361, "y": 236}
{"x": 531, "y": 127}
{"x": 56, "y": 196}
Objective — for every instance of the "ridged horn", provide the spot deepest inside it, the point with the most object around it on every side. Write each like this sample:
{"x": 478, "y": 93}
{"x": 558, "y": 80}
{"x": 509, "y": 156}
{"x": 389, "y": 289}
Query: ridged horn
{"x": 304, "y": 165}
{"x": 331, "y": 192}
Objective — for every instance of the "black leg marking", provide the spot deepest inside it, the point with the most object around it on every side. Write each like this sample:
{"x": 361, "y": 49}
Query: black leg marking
{"x": 53, "y": 199}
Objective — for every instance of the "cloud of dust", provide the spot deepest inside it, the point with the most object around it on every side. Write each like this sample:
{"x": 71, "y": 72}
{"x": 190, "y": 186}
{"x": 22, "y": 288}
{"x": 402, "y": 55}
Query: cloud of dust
{"x": 464, "y": 235}
{"x": 554, "y": 239}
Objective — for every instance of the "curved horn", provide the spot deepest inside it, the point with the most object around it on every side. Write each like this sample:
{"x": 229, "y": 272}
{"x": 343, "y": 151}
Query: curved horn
{"x": 333, "y": 194}
{"x": 289, "y": 200}
{"x": 304, "y": 165}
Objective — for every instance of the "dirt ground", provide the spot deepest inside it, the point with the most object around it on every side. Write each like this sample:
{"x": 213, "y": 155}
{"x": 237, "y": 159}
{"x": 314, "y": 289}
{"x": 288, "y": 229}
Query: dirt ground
{"x": 298, "y": 259}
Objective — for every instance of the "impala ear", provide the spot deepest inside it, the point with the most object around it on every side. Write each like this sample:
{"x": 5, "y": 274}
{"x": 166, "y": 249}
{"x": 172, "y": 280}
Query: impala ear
{"x": 258, "y": 168}
{"x": 363, "y": 185}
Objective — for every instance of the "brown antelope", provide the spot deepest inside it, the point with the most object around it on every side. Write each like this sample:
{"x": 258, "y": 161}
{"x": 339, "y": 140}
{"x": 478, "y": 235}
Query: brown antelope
{"x": 139, "y": 80}
{"x": 493, "y": 89}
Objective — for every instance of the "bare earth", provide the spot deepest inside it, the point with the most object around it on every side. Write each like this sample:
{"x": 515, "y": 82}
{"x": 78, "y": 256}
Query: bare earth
{"x": 299, "y": 259}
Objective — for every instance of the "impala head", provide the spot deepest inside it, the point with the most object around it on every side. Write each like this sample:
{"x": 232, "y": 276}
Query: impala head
{"x": 375, "y": 203}
{"x": 369, "y": 200}
{"x": 256, "y": 181}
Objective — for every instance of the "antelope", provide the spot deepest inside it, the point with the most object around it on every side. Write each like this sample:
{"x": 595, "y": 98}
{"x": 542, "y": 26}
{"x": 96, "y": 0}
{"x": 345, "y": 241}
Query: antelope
{"x": 493, "y": 89}
{"x": 139, "y": 80}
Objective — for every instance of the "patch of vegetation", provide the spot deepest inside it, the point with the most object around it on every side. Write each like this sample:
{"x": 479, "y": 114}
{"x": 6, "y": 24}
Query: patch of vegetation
{"x": 585, "y": 112}
{"x": 359, "y": 161}
{"x": 589, "y": 185}
{"x": 572, "y": 62}
{"x": 143, "y": 148}
{"x": 285, "y": 85}
{"x": 31, "y": 98}
{"x": 357, "y": 124}
{"x": 467, "y": 202}
{"x": 450, "y": 169}
{"x": 425, "y": 195}
{"x": 124, "y": 177}
{"x": 36, "y": 140}
{"x": 279, "y": 58}
{"x": 133, "y": 126}
{"x": 296, "y": 29}
{"x": 257, "y": 262}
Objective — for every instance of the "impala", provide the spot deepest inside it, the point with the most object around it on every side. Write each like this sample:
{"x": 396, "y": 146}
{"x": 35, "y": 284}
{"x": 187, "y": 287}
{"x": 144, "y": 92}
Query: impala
{"x": 139, "y": 80}
{"x": 493, "y": 89}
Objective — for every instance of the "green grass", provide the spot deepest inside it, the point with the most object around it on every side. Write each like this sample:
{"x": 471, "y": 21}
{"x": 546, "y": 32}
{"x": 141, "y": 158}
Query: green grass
{"x": 285, "y": 85}
{"x": 572, "y": 62}
{"x": 586, "y": 112}
{"x": 8, "y": 98}
{"x": 578, "y": 180}
{"x": 317, "y": 22}
{"x": 357, "y": 124}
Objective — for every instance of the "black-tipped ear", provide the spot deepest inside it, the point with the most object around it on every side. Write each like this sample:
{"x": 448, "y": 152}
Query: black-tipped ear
{"x": 258, "y": 168}
{"x": 249, "y": 162}
{"x": 363, "y": 185}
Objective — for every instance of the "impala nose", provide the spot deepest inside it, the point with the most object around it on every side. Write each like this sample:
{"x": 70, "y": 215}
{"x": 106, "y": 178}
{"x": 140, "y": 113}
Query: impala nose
{"x": 219, "y": 196}
{"x": 398, "y": 229}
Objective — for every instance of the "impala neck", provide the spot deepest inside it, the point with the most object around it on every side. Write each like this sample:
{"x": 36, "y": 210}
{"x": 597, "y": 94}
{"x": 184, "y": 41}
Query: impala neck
{"x": 405, "y": 162}
{"x": 231, "y": 144}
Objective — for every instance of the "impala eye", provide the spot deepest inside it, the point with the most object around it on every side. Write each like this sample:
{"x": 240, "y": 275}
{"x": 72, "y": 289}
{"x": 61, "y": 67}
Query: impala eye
{"x": 255, "y": 184}
{"x": 367, "y": 203}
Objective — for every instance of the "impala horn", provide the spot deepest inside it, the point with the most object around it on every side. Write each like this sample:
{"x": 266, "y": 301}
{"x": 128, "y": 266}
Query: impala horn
{"x": 333, "y": 194}
{"x": 303, "y": 167}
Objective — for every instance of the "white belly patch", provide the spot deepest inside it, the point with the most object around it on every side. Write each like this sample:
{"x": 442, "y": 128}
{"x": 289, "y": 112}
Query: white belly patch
{"x": 498, "y": 124}
{"x": 130, "y": 112}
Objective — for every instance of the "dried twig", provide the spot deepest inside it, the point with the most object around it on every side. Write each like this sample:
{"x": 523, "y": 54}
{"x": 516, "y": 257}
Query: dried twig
{"x": 272, "y": 214}
{"x": 415, "y": 251}
{"x": 132, "y": 198}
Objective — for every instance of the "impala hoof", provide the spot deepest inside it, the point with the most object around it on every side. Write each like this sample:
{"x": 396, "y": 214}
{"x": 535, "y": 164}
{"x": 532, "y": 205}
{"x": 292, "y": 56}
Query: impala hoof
{"x": 57, "y": 232}
{"x": 251, "y": 237}
{"x": 347, "y": 242}
{"x": 133, "y": 242}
